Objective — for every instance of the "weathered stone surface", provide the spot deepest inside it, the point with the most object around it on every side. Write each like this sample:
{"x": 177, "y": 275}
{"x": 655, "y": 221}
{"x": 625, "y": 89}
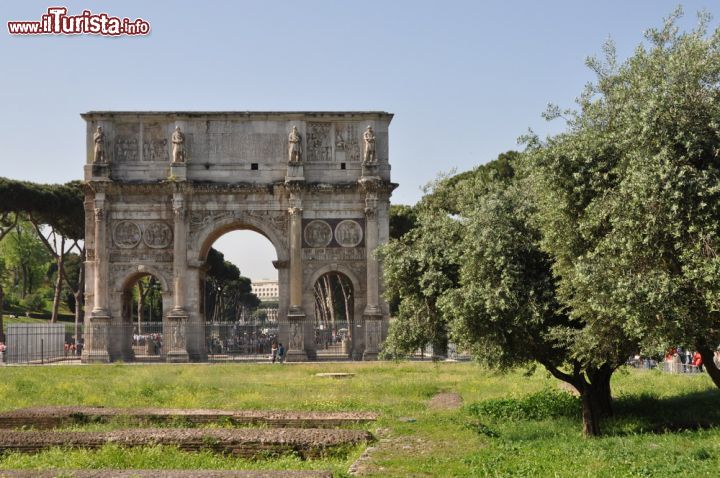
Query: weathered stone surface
{"x": 246, "y": 442}
{"x": 50, "y": 417}
{"x": 163, "y": 186}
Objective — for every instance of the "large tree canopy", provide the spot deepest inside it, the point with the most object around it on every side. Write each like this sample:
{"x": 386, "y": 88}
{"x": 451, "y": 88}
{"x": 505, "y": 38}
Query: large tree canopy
{"x": 57, "y": 205}
{"x": 228, "y": 294}
{"x": 630, "y": 194}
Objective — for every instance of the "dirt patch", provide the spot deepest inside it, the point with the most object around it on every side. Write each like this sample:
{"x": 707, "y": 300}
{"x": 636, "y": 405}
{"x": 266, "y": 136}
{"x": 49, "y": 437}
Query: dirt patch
{"x": 51, "y": 417}
{"x": 164, "y": 474}
{"x": 446, "y": 401}
{"x": 248, "y": 442}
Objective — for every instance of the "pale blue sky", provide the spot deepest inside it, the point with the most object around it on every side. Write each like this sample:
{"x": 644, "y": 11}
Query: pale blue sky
{"x": 464, "y": 79}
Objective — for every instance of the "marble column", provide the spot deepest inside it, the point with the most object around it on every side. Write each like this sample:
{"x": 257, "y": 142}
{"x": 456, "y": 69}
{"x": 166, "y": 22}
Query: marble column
{"x": 177, "y": 318}
{"x": 295, "y": 260}
{"x": 97, "y": 337}
{"x": 296, "y": 316}
{"x": 372, "y": 314}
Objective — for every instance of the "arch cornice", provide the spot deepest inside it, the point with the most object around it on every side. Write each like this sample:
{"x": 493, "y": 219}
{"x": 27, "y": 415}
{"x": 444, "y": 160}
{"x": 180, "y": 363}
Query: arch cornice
{"x": 336, "y": 267}
{"x": 207, "y": 227}
{"x": 132, "y": 273}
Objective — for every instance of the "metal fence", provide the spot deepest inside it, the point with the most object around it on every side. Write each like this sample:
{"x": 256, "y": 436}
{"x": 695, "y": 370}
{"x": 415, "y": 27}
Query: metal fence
{"x": 42, "y": 344}
{"x": 245, "y": 340}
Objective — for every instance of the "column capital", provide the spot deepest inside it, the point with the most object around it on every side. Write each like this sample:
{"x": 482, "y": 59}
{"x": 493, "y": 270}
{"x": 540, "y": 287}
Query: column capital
{"x": 295, "y": 211}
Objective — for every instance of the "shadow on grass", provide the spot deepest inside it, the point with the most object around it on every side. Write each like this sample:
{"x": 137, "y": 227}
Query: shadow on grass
{"x": 646, "y": 413}
{"x": 634, "y": 414}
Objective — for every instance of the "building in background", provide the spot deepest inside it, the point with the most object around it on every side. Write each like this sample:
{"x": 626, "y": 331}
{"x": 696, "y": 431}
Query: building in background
{"x": 268, "y": 292}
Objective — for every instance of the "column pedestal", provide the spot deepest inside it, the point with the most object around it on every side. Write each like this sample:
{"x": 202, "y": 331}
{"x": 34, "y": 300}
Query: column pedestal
{"x": 97, "y": 340}
{"x": 178, "y": 171}
{"x": 373, "y": 336}
{"x": 176, "y": 338}
{"x": 296, "y": 338}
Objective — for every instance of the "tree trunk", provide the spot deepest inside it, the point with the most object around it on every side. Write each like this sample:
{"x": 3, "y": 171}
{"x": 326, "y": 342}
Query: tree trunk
{"x": 346, "y": 297}
{"x": 330, "y": 302}
{"x": 60, "y": 259}
{"x": 141, "y": 297}
{"x": 708, "y": 355}
{"x": 2, "y": 298}
{"x": 588, "y": 396}
{"x": 601, "y": 391}
{"x": 590, "y": 415}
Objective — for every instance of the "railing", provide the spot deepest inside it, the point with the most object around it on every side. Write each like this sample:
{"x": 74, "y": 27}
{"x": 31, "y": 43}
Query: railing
{"x": 41, "y": 344}
{"x": 679, "y": 367}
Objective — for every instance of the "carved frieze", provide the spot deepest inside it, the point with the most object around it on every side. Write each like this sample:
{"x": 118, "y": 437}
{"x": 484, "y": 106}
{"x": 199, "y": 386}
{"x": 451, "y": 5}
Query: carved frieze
{"x": 126, "y": 142}
{"x": 130, "y": 234}
{"x": 318, "y": 142}
{"x": 347, "y": 144}
{"x": 318, "y": 233}
{"x": 348, "y": 233}
{"x": 342, "y": 233}
{"x": 127, "y": 234}
{"x": 333, "y": 254}
{"x": 157, "y": 235}
{"x": 155, "y": 145}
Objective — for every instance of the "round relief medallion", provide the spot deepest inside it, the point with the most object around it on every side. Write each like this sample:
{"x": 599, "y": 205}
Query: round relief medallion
{"x": 157, "y": 235}
{"x": 318, "y": 233}
{"x": 127, "y": 235}
{"x": 348, "y": 233}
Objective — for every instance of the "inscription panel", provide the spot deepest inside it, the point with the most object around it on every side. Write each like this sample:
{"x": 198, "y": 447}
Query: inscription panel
{"x": 333, "y": 254}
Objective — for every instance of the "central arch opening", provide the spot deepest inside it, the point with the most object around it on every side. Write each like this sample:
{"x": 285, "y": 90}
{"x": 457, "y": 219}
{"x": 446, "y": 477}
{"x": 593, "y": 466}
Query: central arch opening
{"x": 240, "y": 296}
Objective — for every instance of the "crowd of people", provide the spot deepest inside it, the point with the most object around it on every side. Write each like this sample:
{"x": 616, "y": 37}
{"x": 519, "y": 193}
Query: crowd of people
{"x": 243, "y": 340}
{"x": 72, "y": 349}
{"x": 675, "y": 360}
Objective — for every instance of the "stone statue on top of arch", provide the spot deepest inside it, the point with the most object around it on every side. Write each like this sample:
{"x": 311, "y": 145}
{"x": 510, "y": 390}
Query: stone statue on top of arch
{"x": 99, "y": 149}
{"x": 370, "y": 156}
{"x": 178, "y": 149}
{"x": 295, "y": 146}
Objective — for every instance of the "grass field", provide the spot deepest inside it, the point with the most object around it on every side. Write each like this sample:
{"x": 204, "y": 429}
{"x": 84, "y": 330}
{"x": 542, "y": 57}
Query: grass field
{"x": 511, "y": 425}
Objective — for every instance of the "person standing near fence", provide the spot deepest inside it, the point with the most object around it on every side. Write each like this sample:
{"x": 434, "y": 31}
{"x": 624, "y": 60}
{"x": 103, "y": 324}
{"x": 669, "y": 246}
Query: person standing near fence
{"x": 281, "y": 353}
{"x": 274, "y": 351}
{"x": 697, "y": 361}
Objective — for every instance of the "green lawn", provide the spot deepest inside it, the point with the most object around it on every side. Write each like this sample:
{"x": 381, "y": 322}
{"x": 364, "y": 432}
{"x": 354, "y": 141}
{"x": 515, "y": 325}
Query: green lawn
{"x": 494, "y": 439}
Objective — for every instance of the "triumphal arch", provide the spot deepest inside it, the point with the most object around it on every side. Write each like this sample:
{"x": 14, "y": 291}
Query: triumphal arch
{"x": 161, "y": 187}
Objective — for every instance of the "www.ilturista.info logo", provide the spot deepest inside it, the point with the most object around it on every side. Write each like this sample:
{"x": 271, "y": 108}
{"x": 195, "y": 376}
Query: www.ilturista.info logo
{"x": 58, "y": 22}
